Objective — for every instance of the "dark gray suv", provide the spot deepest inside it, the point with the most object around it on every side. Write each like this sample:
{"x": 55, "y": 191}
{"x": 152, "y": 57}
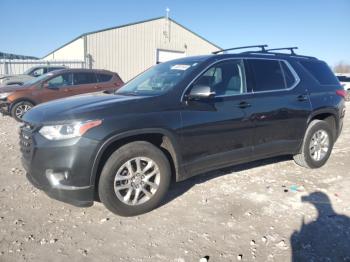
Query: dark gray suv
{"x": 179, "y": 119}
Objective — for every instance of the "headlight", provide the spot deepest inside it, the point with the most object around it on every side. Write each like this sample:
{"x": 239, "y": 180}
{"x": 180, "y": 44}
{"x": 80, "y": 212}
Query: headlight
{"x": 67, "y": 131}
{"x": 4, "y": 95}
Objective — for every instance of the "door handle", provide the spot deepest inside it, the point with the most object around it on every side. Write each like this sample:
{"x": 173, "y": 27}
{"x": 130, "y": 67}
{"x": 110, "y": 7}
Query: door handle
{"x": 244, "y": 104}
{"x": 303, "y": 97}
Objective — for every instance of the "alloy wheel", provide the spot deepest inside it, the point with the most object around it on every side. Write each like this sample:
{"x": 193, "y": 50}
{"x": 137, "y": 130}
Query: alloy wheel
{"x": 21, "y": 110}
{"x": 136, "y": 181}
{"x": 319, "y": 145}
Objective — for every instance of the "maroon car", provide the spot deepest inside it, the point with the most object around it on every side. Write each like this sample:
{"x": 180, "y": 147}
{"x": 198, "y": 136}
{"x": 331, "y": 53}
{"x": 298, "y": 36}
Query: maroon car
{"x": 16, "y": 100}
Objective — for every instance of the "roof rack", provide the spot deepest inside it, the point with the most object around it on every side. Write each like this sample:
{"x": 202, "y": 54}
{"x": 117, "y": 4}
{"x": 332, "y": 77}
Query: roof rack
{"x": 291, "y": 49}
{"x": 270, "y": 52}
{"x": 263, "y": 49}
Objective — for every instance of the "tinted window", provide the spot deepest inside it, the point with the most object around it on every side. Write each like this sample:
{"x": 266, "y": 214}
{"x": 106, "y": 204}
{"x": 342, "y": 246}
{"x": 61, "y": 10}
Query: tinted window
{"x": 289, "y": 77}
{"x": 225, "y": 79}
{"x": 344, "y": 79}
{"x": 321, "y": 72}
{"x": 60, "y": 81}
{"x": 53, "y": 68}
{"x": 104, "y": 77}
{"x": 84, "y": 78}
{"x": 268, "y": 74}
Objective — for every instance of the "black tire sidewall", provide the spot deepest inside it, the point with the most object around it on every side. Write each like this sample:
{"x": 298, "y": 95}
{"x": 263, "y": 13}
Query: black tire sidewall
{"x": 115, "y": 161}
{"x": 319, "y": 125}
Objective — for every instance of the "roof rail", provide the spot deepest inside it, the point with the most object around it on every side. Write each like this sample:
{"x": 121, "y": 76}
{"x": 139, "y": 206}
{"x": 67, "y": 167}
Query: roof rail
{"x": 291, "y": 49}
{"x": 263, "y": 49}
{"x": 270, "y": 52}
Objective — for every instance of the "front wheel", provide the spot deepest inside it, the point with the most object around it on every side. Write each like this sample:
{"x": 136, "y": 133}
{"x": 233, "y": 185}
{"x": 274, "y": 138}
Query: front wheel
{"x": 19, "y": 109}
{"x": 317, "y": 145}
{"x": 134, "y": 179}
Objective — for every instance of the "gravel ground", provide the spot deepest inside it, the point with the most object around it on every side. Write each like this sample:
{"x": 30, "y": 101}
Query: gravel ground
{"x": 251, "y": 212}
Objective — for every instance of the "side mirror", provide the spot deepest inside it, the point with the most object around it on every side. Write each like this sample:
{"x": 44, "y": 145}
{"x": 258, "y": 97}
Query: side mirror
{"x": 52, "y": 87}
{"x": 200, "y": 92}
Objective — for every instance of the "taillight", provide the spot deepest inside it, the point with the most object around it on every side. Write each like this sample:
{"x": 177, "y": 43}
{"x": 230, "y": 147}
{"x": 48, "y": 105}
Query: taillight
{"x": 341, "y": 92}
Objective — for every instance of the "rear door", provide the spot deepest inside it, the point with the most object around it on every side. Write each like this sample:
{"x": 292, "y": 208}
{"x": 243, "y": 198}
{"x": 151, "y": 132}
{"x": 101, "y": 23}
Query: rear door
{"x": 84, "y": 82}
{"x": 279, "y": 107}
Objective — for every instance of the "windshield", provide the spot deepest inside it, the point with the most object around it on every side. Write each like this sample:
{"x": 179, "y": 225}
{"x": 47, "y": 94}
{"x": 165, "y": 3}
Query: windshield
{"x": 38, "y": 79}
{"x": 28, "y": 71}
{"x": 159, "y": 79}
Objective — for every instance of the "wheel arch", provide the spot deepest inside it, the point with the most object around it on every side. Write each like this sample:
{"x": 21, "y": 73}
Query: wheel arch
{"x": 22, "y": 99}
{"x": 161, "y": 138}
{"x": 330, "y": 115}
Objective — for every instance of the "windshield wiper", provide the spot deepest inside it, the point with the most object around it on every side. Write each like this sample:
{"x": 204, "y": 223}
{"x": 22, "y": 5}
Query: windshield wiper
{"x": 127, "y": 93}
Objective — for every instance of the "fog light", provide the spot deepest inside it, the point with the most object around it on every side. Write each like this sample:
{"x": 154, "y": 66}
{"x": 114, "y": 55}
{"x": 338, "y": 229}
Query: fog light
{"x": 55, "y": 177}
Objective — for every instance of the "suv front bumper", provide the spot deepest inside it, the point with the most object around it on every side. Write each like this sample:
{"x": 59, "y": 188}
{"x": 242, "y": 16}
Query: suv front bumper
{"x": 59, "y": 168}
{"x": 4, "y": 107}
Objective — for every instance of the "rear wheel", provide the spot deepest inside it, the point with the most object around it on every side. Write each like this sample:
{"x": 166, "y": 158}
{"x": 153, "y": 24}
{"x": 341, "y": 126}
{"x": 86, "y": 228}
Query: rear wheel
{"x": 317, "y": 145}
{"x": 134, "y": 179}
{"x": 19, "y": 109}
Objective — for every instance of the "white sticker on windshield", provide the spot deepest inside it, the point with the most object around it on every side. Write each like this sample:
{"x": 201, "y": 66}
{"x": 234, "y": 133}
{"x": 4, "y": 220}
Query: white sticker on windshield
{"x": 180, "y": 67}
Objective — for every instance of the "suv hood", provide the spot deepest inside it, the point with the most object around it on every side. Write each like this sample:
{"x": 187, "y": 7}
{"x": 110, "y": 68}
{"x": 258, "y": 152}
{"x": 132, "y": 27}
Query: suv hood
{"x": 13, "y": 76}
{"x": 9, "y": 78}
{"x": 12, "y": 88}
{"x": 82, "y": 107}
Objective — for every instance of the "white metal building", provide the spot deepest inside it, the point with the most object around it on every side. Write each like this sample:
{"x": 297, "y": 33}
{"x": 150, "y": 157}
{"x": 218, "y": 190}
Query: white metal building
{"x": 132, "y": 48}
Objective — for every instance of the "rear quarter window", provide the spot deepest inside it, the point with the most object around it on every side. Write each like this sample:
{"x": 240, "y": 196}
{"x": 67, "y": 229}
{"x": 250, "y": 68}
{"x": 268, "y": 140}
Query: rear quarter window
{"x": 321, "y": 72}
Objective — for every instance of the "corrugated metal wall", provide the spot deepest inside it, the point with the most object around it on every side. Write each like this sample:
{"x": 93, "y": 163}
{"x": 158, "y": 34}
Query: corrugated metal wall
{"x": 131, "y": 49}
{"x": 71, "y": 51}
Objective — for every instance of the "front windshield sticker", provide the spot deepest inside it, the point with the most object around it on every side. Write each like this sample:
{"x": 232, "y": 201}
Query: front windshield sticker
{"x": 180, "y": 67}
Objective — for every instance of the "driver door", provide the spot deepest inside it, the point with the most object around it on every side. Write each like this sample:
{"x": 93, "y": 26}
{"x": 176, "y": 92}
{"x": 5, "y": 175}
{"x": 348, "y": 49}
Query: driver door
{"x": 57, "y": 87}
{"x": 217, "y": 131}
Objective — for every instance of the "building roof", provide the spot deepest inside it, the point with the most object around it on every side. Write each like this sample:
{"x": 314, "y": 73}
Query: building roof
{"x": 129, "y": 24}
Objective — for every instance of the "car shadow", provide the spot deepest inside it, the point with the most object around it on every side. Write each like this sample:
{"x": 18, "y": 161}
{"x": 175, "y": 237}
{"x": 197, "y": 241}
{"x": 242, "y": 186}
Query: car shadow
{"x": 325, "y": 239}
{"x": 179, "y": 188}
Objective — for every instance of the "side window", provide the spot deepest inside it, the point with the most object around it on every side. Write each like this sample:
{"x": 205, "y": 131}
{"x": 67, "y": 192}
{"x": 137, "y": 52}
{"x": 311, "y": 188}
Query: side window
{"x": 104, "y": 77}
{"x": 84, "y": 78}
{"x": 288, "y": 75}
{"x": 38, "y": 72}
{"x": 268, "y": 74}
{"x": 321, "y": 72}
{"x": 53, "y": 68}
{"x": 225, "y": 78}
{"x": 60, "y": 81}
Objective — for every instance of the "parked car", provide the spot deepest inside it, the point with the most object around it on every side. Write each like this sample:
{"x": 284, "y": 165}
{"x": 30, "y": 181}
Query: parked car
{"x": 344, "y": 80}
{"x": 27, "y": 75}
{"x": 179, "y": 119}
{"x": 17, "y": 100}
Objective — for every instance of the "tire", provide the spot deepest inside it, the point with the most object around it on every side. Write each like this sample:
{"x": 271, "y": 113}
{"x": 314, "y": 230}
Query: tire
{"x": 19, "y": 109}
{"x": 306, "y": 158}
{"x": 117, "y": 167}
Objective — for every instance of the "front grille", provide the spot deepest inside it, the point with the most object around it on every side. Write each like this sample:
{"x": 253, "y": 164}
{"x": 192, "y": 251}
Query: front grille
{"x": 26, "y": 140}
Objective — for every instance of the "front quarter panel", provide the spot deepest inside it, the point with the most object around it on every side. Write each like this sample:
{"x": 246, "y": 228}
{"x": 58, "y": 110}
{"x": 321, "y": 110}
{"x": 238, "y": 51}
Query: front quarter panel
{"x": 117, "y": 127}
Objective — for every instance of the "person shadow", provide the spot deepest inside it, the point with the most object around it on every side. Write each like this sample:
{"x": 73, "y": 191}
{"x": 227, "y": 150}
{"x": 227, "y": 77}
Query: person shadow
{"x": 325, "y": 239}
